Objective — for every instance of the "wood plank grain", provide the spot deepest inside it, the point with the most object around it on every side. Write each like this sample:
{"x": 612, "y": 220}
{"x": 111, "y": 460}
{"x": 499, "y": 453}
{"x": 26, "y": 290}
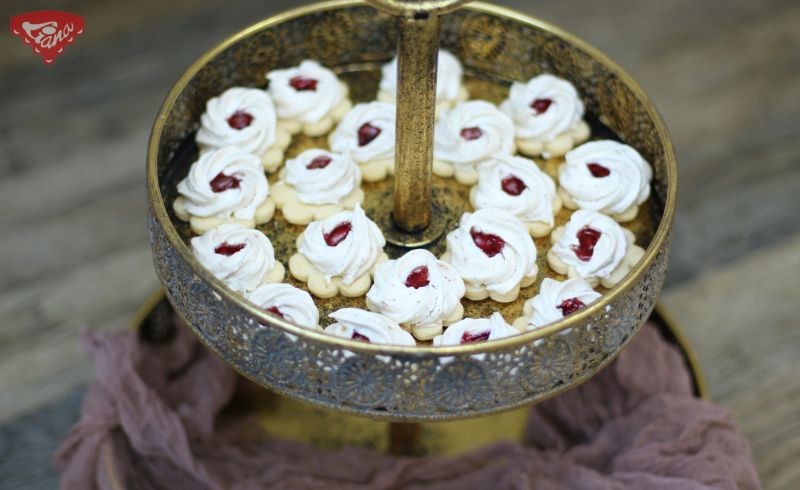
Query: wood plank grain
{"x": 27, "y": 445}
{"x": 109, "y": 222}
{"x": 75, "y": 181}
{"x": 744, "y": 321}
{"x": 724, "y": 74}
{"x": 46, "y": 362}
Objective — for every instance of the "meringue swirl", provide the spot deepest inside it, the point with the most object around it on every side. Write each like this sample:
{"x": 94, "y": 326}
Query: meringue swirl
{"x": 564, "y": 112}
{"x": 257, "y": 137}
{"x": 626, "y": 182}
{"x": 533, "y": 203}
{"x": 354, "y": 323}
{"x": 241, "y": 201}
{"x": 553, "y": 294}
{"x": 608, "y": 252}
{"x": 288, "y": 302}
{"x": 327, "y": 185}
{"x": 434, "y": 298}
{"x": 448, "y": 77}
{"x": 504, "y": 271}
{"x": 245, "y": 264}
{"x": 350, "y": 258}
{"x": 480, "y": 329}
{"x": 495, "y": 128}
{"x": 344, "y": 138}
{"x": 307, "y": 106}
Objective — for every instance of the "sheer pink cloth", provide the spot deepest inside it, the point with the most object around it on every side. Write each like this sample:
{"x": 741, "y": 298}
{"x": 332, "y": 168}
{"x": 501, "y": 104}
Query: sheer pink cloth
{"x": 635, "y": 425}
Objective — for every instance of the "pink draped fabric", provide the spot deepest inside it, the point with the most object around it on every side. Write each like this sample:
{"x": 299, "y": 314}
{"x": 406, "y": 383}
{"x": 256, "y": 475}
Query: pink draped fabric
{"x": 154, "y": 411}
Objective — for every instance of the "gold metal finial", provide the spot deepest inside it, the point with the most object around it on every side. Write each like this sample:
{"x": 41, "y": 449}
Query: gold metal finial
{"x": 417, "y": 7}
{"x": 417, "y": 54}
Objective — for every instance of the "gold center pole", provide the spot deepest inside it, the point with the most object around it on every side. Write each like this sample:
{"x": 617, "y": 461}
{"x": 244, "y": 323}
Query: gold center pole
{"x": 417, "y": 53}
{"x": 405, "y": 438}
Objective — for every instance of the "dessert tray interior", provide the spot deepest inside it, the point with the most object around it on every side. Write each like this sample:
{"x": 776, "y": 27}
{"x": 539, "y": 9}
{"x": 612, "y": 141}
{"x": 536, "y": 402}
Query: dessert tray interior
{"x": 496, "y": 48}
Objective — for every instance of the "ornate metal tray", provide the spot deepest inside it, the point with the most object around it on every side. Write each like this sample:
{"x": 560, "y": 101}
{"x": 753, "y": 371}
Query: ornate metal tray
{"x": 283, "y": 418}
{"x": 422, "y": 383}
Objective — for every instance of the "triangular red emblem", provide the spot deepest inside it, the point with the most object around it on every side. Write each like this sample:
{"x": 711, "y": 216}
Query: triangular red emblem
{"x": 47, "y": 31}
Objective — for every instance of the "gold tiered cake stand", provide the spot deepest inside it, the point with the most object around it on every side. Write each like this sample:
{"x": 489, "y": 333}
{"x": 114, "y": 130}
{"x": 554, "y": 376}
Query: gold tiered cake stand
{"x": 414, "y": 209}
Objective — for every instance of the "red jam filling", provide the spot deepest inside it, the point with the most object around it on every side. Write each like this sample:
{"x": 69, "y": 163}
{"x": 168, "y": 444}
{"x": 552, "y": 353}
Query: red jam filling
{"x": 490, "y": 244}
{"x": 418, "y": 278}
{"x": 587, "y": 239}
{"x": 358, "y": 336}
{"x": 274, "y": 309}
{"x": 512, "y": 185}
{"x": 321, "y": 161}
{"x": 228, "y": 249}
{"x": 222, "y": 182}
{"x": 336, "y": 235}
{"x": 240, "y": 120}
{"x": 366, "y": 133}
{"x": 541, "y": 105}
{"x": 570, "y": 305}
{"x": 598, "y": 170}
{"x": 471, "y": 133}
{"x": 470, "y": 337}
{"x": 301, "y": 84}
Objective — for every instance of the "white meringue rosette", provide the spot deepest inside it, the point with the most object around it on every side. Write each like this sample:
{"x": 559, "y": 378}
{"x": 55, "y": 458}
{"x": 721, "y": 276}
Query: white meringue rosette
{"x": 366, "y": 326}
{"x": 535, "y": 202}
{"x": 260, "y": 134}
{"x": 449, "y": 87}
{"x": 605, "y": 176}
{"x": 556, "y": 299}
{"x": 347, "y": 264}
{"x": 431, "y": 299}
{"x": 317, "y": 184}
{"x": 501, "y": 274}
{"x": 288, "y": 302}
{"x": 554, "y": 130}
{"x": 376, "y": 155}
{"x": 468, "y": 134}
{"x": 484, "y": 329}
{"x": 308, "y": 97}
{"x": 226, "y": 185}
{"x": 242, "y": 258}
{"x": 473, "y": 330}
{"x": 612, "y": 256}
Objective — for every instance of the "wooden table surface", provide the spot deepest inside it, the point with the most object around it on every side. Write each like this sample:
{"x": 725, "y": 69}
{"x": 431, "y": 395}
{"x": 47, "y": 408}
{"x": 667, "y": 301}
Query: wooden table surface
{"x": 73, "y": 245}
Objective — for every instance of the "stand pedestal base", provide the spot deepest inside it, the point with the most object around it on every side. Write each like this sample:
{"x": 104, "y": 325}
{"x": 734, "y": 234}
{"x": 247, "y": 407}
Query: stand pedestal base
{"x": 285, "y": 418}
